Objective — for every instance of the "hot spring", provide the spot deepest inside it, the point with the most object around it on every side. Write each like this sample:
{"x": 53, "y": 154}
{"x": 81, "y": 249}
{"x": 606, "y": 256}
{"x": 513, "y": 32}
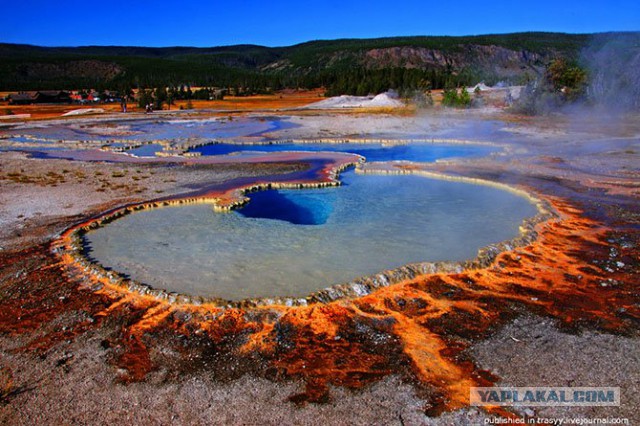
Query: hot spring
{"x": 295, "y": 242}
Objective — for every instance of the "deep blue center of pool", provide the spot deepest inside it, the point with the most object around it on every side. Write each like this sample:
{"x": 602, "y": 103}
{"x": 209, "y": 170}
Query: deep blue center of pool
{"x": 299, "y": 209}
{"x": 315, "y": 207}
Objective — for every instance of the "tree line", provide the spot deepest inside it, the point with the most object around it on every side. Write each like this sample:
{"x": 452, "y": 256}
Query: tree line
{"x": 150, "y": 73}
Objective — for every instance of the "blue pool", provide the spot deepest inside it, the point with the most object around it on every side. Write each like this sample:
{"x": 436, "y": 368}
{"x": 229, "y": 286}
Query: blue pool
{"x": 415, "y": 151}
{"x": 295, "y": 242}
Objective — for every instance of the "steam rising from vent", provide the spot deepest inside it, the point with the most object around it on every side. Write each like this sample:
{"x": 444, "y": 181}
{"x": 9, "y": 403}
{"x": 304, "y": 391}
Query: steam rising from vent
{"x": 613, "y": 61}
{"x": 612, "y": 83}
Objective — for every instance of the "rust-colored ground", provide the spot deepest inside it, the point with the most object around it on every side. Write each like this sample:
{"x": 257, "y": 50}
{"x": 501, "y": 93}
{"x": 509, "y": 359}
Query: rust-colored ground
{"x": 281, "y": 100}
{"x": 43, "y": 112}
{"x": 419, "y": 328}
{"x": 582, "y": 271}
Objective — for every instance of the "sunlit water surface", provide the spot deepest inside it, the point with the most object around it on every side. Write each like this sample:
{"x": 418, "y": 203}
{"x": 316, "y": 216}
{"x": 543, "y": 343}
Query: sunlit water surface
{"x": 414, "y": 151}
{"x": 295, "y": 242}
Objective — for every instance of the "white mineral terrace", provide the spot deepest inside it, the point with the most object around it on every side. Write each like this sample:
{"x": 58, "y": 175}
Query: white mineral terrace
{"x": 194, "y": 284}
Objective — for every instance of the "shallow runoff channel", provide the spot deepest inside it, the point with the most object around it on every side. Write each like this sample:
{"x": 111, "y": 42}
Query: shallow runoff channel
{"x": 291, "y": 243}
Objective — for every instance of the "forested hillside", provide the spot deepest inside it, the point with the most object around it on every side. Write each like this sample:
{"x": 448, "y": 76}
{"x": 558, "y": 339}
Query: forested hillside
{"x": 348, "y": 66}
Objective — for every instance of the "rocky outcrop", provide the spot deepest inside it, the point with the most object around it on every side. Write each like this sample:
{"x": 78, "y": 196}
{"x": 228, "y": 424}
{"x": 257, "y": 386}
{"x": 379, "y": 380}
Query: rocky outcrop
{"x": 406, "y": 57}
{"x": 491, "y": 59}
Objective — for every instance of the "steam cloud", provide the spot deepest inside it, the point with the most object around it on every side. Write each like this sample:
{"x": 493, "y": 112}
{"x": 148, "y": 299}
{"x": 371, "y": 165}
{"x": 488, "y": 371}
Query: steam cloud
{"x": 613, "y": 61}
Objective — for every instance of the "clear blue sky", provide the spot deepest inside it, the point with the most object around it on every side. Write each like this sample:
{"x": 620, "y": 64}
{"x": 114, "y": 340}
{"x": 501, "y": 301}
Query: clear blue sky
{"x": 286, "y": 22}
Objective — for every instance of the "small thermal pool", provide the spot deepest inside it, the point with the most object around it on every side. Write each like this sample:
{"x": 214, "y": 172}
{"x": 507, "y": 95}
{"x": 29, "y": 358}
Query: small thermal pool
{"x": 295, "y": 242}
{"x": 414, "y": 151}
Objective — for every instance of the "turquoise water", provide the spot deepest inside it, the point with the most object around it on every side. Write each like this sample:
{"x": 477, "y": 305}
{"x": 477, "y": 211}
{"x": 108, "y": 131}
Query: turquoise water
{"x": 295, "y": 242}
{"x": 146, "y": 150}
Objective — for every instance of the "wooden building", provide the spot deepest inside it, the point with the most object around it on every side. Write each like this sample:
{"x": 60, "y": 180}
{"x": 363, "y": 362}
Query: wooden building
{"x": 40, "y": 97}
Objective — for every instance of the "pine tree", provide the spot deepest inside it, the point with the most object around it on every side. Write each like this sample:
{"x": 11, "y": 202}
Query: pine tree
{"x": 464, "y": 99}
{"x": 160, "y": 96}
{"x": 144, "y": 98}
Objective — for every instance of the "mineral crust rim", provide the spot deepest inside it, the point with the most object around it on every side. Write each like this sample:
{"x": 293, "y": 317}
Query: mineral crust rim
{"x": 70, "y": 246}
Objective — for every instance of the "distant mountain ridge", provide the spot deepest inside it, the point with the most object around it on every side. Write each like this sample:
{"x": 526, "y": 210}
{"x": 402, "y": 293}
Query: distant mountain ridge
{"x": 380, "y": 62}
